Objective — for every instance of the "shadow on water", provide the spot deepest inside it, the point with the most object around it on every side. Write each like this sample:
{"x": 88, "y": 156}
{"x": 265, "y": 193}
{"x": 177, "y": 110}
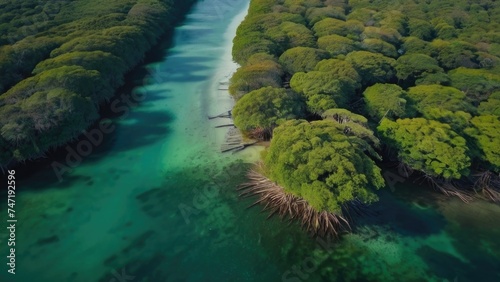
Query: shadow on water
{"x": 154, "y": 127}
{"x": 405, "y": 213}
{"x": 145, "y": 128}
{"x": 480, "y": 268}
{"x": 149, "y": 127}
{"x": 455, "y": 241}
{"x": 197, "y": 217}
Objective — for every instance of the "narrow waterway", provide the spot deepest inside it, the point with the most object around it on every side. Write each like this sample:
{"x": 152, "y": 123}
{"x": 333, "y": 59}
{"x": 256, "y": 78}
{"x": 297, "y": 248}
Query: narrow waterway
{"x": 156, "y": 200}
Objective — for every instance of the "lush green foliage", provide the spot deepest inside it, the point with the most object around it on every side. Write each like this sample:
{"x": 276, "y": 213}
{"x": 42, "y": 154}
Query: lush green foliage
{"x": 376, "y": 45}
{"x": 388, "y": 35}
{"x": 427, "y": 70}
{"x": 301, "y": 59}
{"x": 337, "y": 45}
{"x": 425, "y": 98}
{"x": 428, "y": 146}
{"x": 328, "y": 87}
{"x": 289, "y": 34}
{"x": 385, "y": 100}
{"x": 316, "y": 14}
{"x": 266, "y": 108}
{"x": 328, "y": 26}
{"x": 260, "y": 71}
{"x": 490, "y": 106}
{"x": 478, "y": 84}
{"x": 60, "y": 59}
{"x": 454, "y": 54}
{"x": 415, "y": 68}
{"x": 342, "y": 69}
{"x": 320, "y": 163}
{"x": 485, "y": 131}
{"x": 372, "y": 67}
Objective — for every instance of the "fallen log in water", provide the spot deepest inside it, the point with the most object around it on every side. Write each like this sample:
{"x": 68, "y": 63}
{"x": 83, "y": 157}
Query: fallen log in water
{"x": 224, "y": 125}
{"x": 227, "y": 149}
{"x": 235, "y": 147}
{"x": 222, "y": 115}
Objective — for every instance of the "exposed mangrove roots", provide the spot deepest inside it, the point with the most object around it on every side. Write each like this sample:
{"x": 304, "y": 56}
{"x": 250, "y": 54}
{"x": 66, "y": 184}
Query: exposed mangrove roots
{"x": 260, "y": 133}
{"x": 488, "y": 184}
{"x": 277, "y": 201}
{"x": 404, "y": 170}
{"x": 448, "y": 188}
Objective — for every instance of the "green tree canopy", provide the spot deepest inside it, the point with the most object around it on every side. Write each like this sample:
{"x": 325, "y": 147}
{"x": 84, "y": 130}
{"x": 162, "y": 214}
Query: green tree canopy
{"x": 42, "y": 121}
{"x": 362, "y": 14}
{"x": 414, "y": 45}
{"x": 337, "y": 45}
{"x": 260, "y": 71}
{"x": 454, "y": 54}
{"x": 385, "y": 100}
{"x": 59, "y": 61}
{"x": 350, "y": 29}
{"x": 445, "y": 31}
{"x": 412, "y": 67}
{"x": 487, "y": 60}
{"x": 103, "y": 62}
{"x": 485, "y": 132}
{"x": 315, "y": 14}
{"x": 344, "y": 116}
{"x": 265, "y": 108}
{"x": 458, "y": 120}
{"x": 325, "y": 89}
{"x": 289, "y": 34}
{"x": 428, "y": 146}
{"x": 490, "y": 106}
{"x": 246, "y": 46}
{"x": 478, "y": 84}
{"x": 87, "y": 83}
{"x": 357, "y": 124}
{"x": 340, "y": 68}
{"x": 388, "y": 35}
{"x": 376, "y": 45}
{"x": 301, "y": 59}
{"x": 121, "y": 41}
{"x": 421, "y": 29}
{"x": 320, "y": 163}
{"x": 440, "y": 78}
{"x": 396, "y": 20}
{"x": 263, "y": 21}
{"x": 251, "y": 36}
{"x": 424, "y": 98}
{"x": 372, "y": 67}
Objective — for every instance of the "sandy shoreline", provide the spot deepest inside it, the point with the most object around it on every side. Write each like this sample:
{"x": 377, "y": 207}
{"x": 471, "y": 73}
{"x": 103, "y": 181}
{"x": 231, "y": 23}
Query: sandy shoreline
{"x": 220, "y": 101}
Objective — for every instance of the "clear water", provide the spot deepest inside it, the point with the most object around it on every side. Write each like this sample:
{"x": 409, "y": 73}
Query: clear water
{"x": 156, "y": 201}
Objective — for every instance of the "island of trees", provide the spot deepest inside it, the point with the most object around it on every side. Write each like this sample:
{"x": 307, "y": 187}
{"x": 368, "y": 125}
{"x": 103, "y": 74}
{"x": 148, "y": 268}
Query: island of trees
{"x": 338, "y": 86}
{"x": 60, "y": 60}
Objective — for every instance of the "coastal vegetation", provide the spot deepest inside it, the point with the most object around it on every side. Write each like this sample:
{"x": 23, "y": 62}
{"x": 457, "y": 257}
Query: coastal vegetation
{"x": 61, "y": 60}
{"x": 421, "y": 76}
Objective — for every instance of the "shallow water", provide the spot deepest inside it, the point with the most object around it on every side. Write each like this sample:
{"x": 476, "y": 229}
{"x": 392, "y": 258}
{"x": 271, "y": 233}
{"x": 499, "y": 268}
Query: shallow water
{"x": 156, "y": 200}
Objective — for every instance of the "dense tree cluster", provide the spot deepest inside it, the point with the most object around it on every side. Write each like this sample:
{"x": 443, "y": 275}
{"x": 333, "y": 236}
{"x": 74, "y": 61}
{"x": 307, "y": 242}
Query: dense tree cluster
{"x": 425, "y": 73}
{"x": 59, "y": 60}
{"x": 385, "y": 100}
{"x": 323, "y": 164}
{"x": 263, "y": 109}
{"x": 428, "y": 146}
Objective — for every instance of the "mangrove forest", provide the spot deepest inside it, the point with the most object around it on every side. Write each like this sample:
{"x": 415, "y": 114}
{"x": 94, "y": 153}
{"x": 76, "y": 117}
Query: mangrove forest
{"x": 61, "y": 60}
{"x": 344, "y": 89}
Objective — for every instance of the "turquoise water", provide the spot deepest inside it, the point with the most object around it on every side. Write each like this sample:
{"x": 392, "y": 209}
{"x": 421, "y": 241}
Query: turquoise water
{"x": 156, "y": 200}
